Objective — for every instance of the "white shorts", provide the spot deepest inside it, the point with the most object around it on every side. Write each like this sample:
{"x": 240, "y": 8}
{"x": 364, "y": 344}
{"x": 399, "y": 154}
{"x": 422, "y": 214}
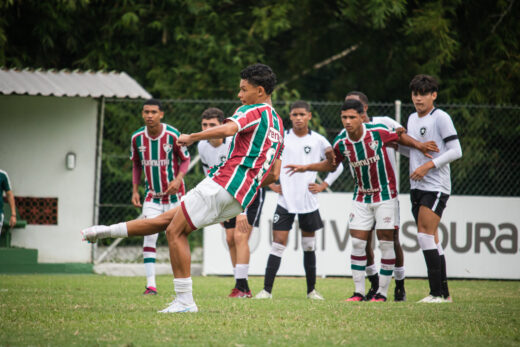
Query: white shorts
{"x": 152, "y": 210}
{"x": 208, "y": 203}
{"x": 382, "y": 214}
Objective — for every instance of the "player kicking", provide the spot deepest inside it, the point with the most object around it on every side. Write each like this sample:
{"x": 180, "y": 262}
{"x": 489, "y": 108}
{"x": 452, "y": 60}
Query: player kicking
{"x": 253, "y": 161}
{"x": 297, "y": 197}
{"x": 375, "y": 193}
{"x": 155, "y": 151}
{"x": 212, "y": 153}
{"x": 430, "y": 180}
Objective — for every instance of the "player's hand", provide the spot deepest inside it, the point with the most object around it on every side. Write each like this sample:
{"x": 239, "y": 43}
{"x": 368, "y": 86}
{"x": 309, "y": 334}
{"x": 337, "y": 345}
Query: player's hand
{"x": 317, "y": 188}
{"x": 428, "y": 146}
{"x": 136, "y": 199}
{"x": 185, "y": 140}
{"x": 292, "y": 169}
{"x": 12, "y": 221}
{"x": 392, "y": 144}
{"x": 242, "y": 225}
{"x": 276, "y": 188}
{"x": 331, "y": 157}
{"x": 421, "y": 171}
{"x": 173, "y": 187}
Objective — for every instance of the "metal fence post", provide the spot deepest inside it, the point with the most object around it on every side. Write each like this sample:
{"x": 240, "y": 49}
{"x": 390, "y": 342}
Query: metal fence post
{"x": 397, "y": 104}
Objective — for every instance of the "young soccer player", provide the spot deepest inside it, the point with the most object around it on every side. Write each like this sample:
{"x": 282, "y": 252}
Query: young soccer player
{"x": 430, "y": 180}
{"x": 371, "y": 269}
{"x": 297, "y": 197}
{"x": 374, "y": 194}
{"x": 154, "y": 150}
{"x": 253, "y": 161}
{"x": 212, "y": 153}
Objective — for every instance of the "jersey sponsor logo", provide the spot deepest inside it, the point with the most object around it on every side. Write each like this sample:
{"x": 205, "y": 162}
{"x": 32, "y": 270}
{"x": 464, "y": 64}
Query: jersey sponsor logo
{"x": 274, "y": 135}
{"x": 365, "y": 162}
{"x": 373, "y": 144}
{"x": 142, "y": 149}
{"x": 307, "y": 149}
{"x": 369, "y": 190}
{"x": 423, "y": 131}
{"x": 167, "y": 147}
{"x": 154, "y": 162}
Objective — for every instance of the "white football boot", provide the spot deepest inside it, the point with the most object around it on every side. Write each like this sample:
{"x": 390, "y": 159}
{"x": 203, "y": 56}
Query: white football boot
{"x": 432, "y": 300}
{"x": 177, "y": 307}
{"x": 93, "y": 233}
{"x": 263, "y": 294}
{"x": 314, "y": 295}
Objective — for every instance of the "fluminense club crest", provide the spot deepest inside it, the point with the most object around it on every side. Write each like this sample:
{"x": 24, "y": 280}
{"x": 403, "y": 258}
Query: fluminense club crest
{"x": 373, "y": 144}
{"x": 167, "y": 147}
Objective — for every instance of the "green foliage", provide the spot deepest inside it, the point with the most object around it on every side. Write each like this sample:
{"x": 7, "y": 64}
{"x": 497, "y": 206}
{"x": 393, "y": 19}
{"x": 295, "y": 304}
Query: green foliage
{"x": 105, "y": 310}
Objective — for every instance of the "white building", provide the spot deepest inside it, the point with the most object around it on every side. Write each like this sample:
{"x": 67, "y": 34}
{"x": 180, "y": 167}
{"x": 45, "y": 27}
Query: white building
{"x": 50, "y": 144}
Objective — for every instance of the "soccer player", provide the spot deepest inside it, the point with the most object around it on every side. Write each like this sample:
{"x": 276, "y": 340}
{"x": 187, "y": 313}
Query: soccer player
{"x": 5, "y": 186}
{"x": 214, "y": 152}
{"x": 371, "y": 269}
{"x": 375, "y": 193}
{"x": 430, "y": 180}
{"x": 154, "y": 150}
{"x": 253, "y": 161}
{"x": 297, "y": 197}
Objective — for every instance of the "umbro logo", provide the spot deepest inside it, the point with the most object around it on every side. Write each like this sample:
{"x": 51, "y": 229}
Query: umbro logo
{"x": 142, "y": 149}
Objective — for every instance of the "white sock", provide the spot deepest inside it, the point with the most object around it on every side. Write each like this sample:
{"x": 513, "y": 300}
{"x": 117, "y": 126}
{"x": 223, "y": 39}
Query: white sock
{"x": 387, "y": 266}
{"x": 277, "y": 249}
{"x": 399, "y": 273}
{"x": 235, "y": 272}
{"x": 358, "y": 263}
{"x": 371, "y": 270}
{"x": 118, "y": 230}
{"x": 242, "y": 271}
{"x": 183, "y": 289}
{"x": 149, "y": 256}
{"x": 426, "y": 242}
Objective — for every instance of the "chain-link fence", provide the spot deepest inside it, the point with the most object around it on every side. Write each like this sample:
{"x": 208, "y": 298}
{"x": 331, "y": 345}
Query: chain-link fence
{"x": 489, "y": 136}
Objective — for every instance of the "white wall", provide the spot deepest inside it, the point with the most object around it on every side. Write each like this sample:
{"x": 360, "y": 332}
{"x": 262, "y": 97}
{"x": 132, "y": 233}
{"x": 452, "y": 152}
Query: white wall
{"x": 480, "y": 237}
{"x": 36, "y": 132}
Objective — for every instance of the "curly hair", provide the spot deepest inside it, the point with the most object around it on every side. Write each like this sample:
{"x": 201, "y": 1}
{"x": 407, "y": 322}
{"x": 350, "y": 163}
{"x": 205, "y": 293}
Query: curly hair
{"x": 260, "y": 75}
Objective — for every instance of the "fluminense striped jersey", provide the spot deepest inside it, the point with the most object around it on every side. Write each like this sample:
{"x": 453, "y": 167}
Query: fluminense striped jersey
{"x": 5, "y": 186}
{"x": 375, "y": 177}
{"x": 252, "y": 152}
{"x": 159, "y": 158}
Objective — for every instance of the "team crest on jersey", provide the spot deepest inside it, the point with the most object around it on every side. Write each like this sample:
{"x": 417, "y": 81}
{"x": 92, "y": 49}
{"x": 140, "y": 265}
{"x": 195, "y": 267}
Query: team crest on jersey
{"x": 423, "y": 131}
{"x": 276, "y": 217}
{"x": 307, "y": 149}
{"x": 351, "y": 217}
{"x": 142, "y": 149}
{"x": 373, "y": 145}
{"x": 167, "y": 147}
{"x": 223, "y": 158}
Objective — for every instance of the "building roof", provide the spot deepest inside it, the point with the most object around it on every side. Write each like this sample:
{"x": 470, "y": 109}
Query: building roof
{"x": 70, "y": 83}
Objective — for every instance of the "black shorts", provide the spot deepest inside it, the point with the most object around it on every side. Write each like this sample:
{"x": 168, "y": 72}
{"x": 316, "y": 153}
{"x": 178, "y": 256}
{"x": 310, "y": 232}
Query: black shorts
{"x": 253, "y": 211}
{"x": 283, "y": 220}
{"x": 435, "y": 201}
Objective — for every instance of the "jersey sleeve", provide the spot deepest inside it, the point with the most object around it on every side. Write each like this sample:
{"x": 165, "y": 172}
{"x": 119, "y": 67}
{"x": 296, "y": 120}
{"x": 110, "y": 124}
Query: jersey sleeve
{"x": 387, "y": 136}
{"x": 133, "y": 150}
{"x": 245, "y": 118}
{"x": 338, "y": 153}
{"x": 324, "y": 144}
{"x": 391, "y": 123}
{"x": 181, "y": 151}
{"x": 446, "y": 128}
{"x": 4, "y": 182}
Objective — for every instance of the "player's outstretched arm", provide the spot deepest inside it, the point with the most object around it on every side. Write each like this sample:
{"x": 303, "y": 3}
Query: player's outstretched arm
{"x": 424, "y": 147}
{"x": 218, "y": 132}
{"x": 322, "y": 166}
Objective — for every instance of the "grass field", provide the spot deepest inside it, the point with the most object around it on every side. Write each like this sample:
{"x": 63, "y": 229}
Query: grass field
{"x": 63, "y": 310}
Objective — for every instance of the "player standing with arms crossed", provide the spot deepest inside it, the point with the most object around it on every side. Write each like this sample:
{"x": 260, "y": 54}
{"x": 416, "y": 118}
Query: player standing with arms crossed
{"x": 430, "y": 180}
{"x": 254, "y": 161}
{"x": 375, "y": 192}
{"x": 212, "y": 153}
{"x": 297, "y": 197}
{"x": 154, "y": 150}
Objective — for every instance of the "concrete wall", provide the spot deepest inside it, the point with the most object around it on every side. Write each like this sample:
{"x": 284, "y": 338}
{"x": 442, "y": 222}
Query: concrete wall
{"x": 36, "y": 132}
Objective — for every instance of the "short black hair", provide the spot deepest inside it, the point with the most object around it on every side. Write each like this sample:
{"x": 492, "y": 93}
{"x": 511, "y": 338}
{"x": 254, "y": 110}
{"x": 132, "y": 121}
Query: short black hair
{"x": 213, "y": 112}
{"x": 301, "y": 104}
{"x": 424, "y": 84}
{"x": 155, "y": 102}
{"x": 362, "y": 97}
{"x": 353, "y": 104}
{"x": 260, "y": 75}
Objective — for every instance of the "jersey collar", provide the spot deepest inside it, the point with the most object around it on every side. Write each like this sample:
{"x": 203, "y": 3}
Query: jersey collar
{"x": 158, "y": 137}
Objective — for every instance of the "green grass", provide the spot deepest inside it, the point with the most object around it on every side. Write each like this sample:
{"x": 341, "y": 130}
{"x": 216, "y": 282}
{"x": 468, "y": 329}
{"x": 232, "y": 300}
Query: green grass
{"x": 63, "y": 310}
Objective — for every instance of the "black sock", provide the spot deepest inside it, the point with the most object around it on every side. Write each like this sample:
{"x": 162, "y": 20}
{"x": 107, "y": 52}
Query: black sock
{"x": 374, "y": 280}
{"x": 242, "y": 285}
{"x": 433, "y": 263}
{"x": 236, "y": 283}
{"x": 309, "y": 264}
{"x": 399, "y": 284}
{"x": 444, "y": 280}
{"x": 273, "y": 264}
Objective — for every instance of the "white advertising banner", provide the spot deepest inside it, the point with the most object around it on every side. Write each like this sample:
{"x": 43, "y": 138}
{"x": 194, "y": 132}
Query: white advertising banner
{"x": 479, "y": 236}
